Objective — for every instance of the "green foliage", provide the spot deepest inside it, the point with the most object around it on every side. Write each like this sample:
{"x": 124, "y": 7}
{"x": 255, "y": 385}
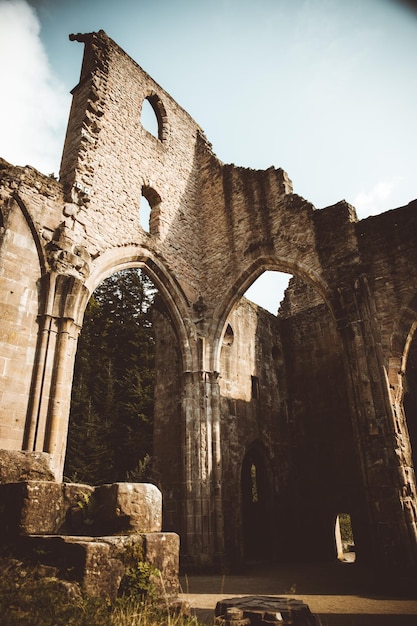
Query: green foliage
{"x": 346, "y": 528}
{"x": 130, "y": 612}
{"x": 27, "y": 600}
{"x": 111, "y": 420}
{"x": 139, "y": 581}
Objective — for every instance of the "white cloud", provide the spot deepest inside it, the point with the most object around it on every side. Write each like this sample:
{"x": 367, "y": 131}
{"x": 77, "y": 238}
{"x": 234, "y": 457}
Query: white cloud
{"x": 34, "y": 105}
{"x": 377, "y": 199}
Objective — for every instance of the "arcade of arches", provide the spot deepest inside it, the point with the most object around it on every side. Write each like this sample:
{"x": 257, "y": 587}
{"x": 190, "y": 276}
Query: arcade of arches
{"x": 266, "y": 427}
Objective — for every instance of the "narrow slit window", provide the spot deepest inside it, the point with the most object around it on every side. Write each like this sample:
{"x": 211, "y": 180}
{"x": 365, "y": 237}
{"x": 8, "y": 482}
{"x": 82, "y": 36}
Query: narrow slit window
{"x": 254, "y": 483}
{"x": 255, "y": 387}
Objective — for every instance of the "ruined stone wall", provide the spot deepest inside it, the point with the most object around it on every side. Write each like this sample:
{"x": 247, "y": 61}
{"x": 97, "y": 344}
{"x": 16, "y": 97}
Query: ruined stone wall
{"x": 326, "y": 477}
{"x": 22, "y": 263}
{"x": 388, "y": 253}
{"x": 253, "y": 411}
{"x": 109, "y": 157}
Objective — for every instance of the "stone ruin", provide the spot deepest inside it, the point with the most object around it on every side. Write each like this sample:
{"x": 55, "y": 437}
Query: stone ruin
{"x": 263, "y": 611}
{"x": 266, "y": 427}
{"x": 85, "y": 535}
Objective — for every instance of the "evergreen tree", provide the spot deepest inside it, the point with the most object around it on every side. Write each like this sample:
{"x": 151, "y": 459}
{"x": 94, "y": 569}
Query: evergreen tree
{"x": 111, "y": 419}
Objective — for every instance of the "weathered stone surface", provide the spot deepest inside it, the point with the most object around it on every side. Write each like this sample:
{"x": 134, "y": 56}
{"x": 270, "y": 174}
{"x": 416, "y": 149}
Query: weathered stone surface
{"x": 79, "y": 508}
{"x": 162, "y": 550}
{"x": 86, "y": 560}
{"x": 263, "y": 611}
{"x": 41, "y": 507}
{"x": 129, "y": 506}
{"x": 98, "y": 564}
{"x": 18, "y": 466}
{"x": 32, "y": 507}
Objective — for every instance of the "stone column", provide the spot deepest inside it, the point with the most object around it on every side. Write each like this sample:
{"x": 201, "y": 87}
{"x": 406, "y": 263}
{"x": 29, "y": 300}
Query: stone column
{"x": 393, "y": 530}
{"x": 60, "y": 396}
{"x": 203, "y": 521}
{"x": 217, "y": 470}
{"x": 49, "y": 406}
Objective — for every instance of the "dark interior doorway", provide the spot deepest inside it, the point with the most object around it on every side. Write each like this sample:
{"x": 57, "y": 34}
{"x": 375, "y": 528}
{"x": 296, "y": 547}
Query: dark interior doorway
{"x": 257, "y": 504}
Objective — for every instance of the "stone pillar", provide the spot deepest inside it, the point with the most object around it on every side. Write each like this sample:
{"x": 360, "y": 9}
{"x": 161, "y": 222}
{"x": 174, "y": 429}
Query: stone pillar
{"x": 202, "y": 535}
{"x": 49, "y": 405}
{"x": 393, "y": 530}
{"x": 60, "y": 397}
{"x": 217, "y": 470}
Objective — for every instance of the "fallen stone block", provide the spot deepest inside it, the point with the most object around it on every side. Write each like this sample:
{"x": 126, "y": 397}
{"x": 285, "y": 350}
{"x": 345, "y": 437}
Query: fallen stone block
{"x": 128, "y": 506}
{"x": 263, "y": 611}
{"x": 42, "y": 507}
{"x": 85, "y": 560}
{"x": 31, "y": 507}
{"x": 16, "y": 466}
{"x": 99, "y": 564}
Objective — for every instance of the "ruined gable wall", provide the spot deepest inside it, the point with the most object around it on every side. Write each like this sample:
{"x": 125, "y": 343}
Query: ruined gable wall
{"x": 110, "y": 155}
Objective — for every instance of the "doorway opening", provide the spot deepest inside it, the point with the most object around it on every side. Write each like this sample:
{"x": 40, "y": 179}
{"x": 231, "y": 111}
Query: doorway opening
{"x": 257, "y": 504}
{"x": 345, "y": 543}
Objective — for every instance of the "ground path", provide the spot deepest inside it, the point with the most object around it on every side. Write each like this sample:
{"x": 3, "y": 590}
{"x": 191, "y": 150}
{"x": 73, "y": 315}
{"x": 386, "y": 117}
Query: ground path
{"x": 340, "y": 594}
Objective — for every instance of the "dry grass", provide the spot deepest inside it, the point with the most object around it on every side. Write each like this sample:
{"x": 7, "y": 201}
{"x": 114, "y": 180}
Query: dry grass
{"x": 29, "y": 599}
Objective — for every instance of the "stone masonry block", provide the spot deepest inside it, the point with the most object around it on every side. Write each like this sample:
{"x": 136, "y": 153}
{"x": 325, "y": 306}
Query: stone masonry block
{"x": 98, "y": 564}
{"x": 129, "y": 506}
{"x": 86, "y": 560}
{"x": 16, "y": 466}
{"x": 79, "y": 508}
{"x": 32, "y": 507}
{"x": 162, "y": 551}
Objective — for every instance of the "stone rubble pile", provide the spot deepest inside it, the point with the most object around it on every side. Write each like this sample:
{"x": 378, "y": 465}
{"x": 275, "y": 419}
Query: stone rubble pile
{"x": 90, "y": 535}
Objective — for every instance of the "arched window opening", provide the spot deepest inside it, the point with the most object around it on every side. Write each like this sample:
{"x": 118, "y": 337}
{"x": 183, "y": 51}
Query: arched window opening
{"x": 149, "y": 119}
{"x": 149, "y": 210}
{"x": 226, "y": 358}
{"x": 145, "y": 214}
{"x": 110, "y": 436}
{"x": 153, "y": 117}
{"x": 345, "y": 544}
{"x": 228, "y": 336}
{"x": 1, "y": 220}
{"x": 268, "y": 290}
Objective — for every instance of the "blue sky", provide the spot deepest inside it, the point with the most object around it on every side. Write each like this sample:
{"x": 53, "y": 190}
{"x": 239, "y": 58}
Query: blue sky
{"x": 325, "y": 89}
